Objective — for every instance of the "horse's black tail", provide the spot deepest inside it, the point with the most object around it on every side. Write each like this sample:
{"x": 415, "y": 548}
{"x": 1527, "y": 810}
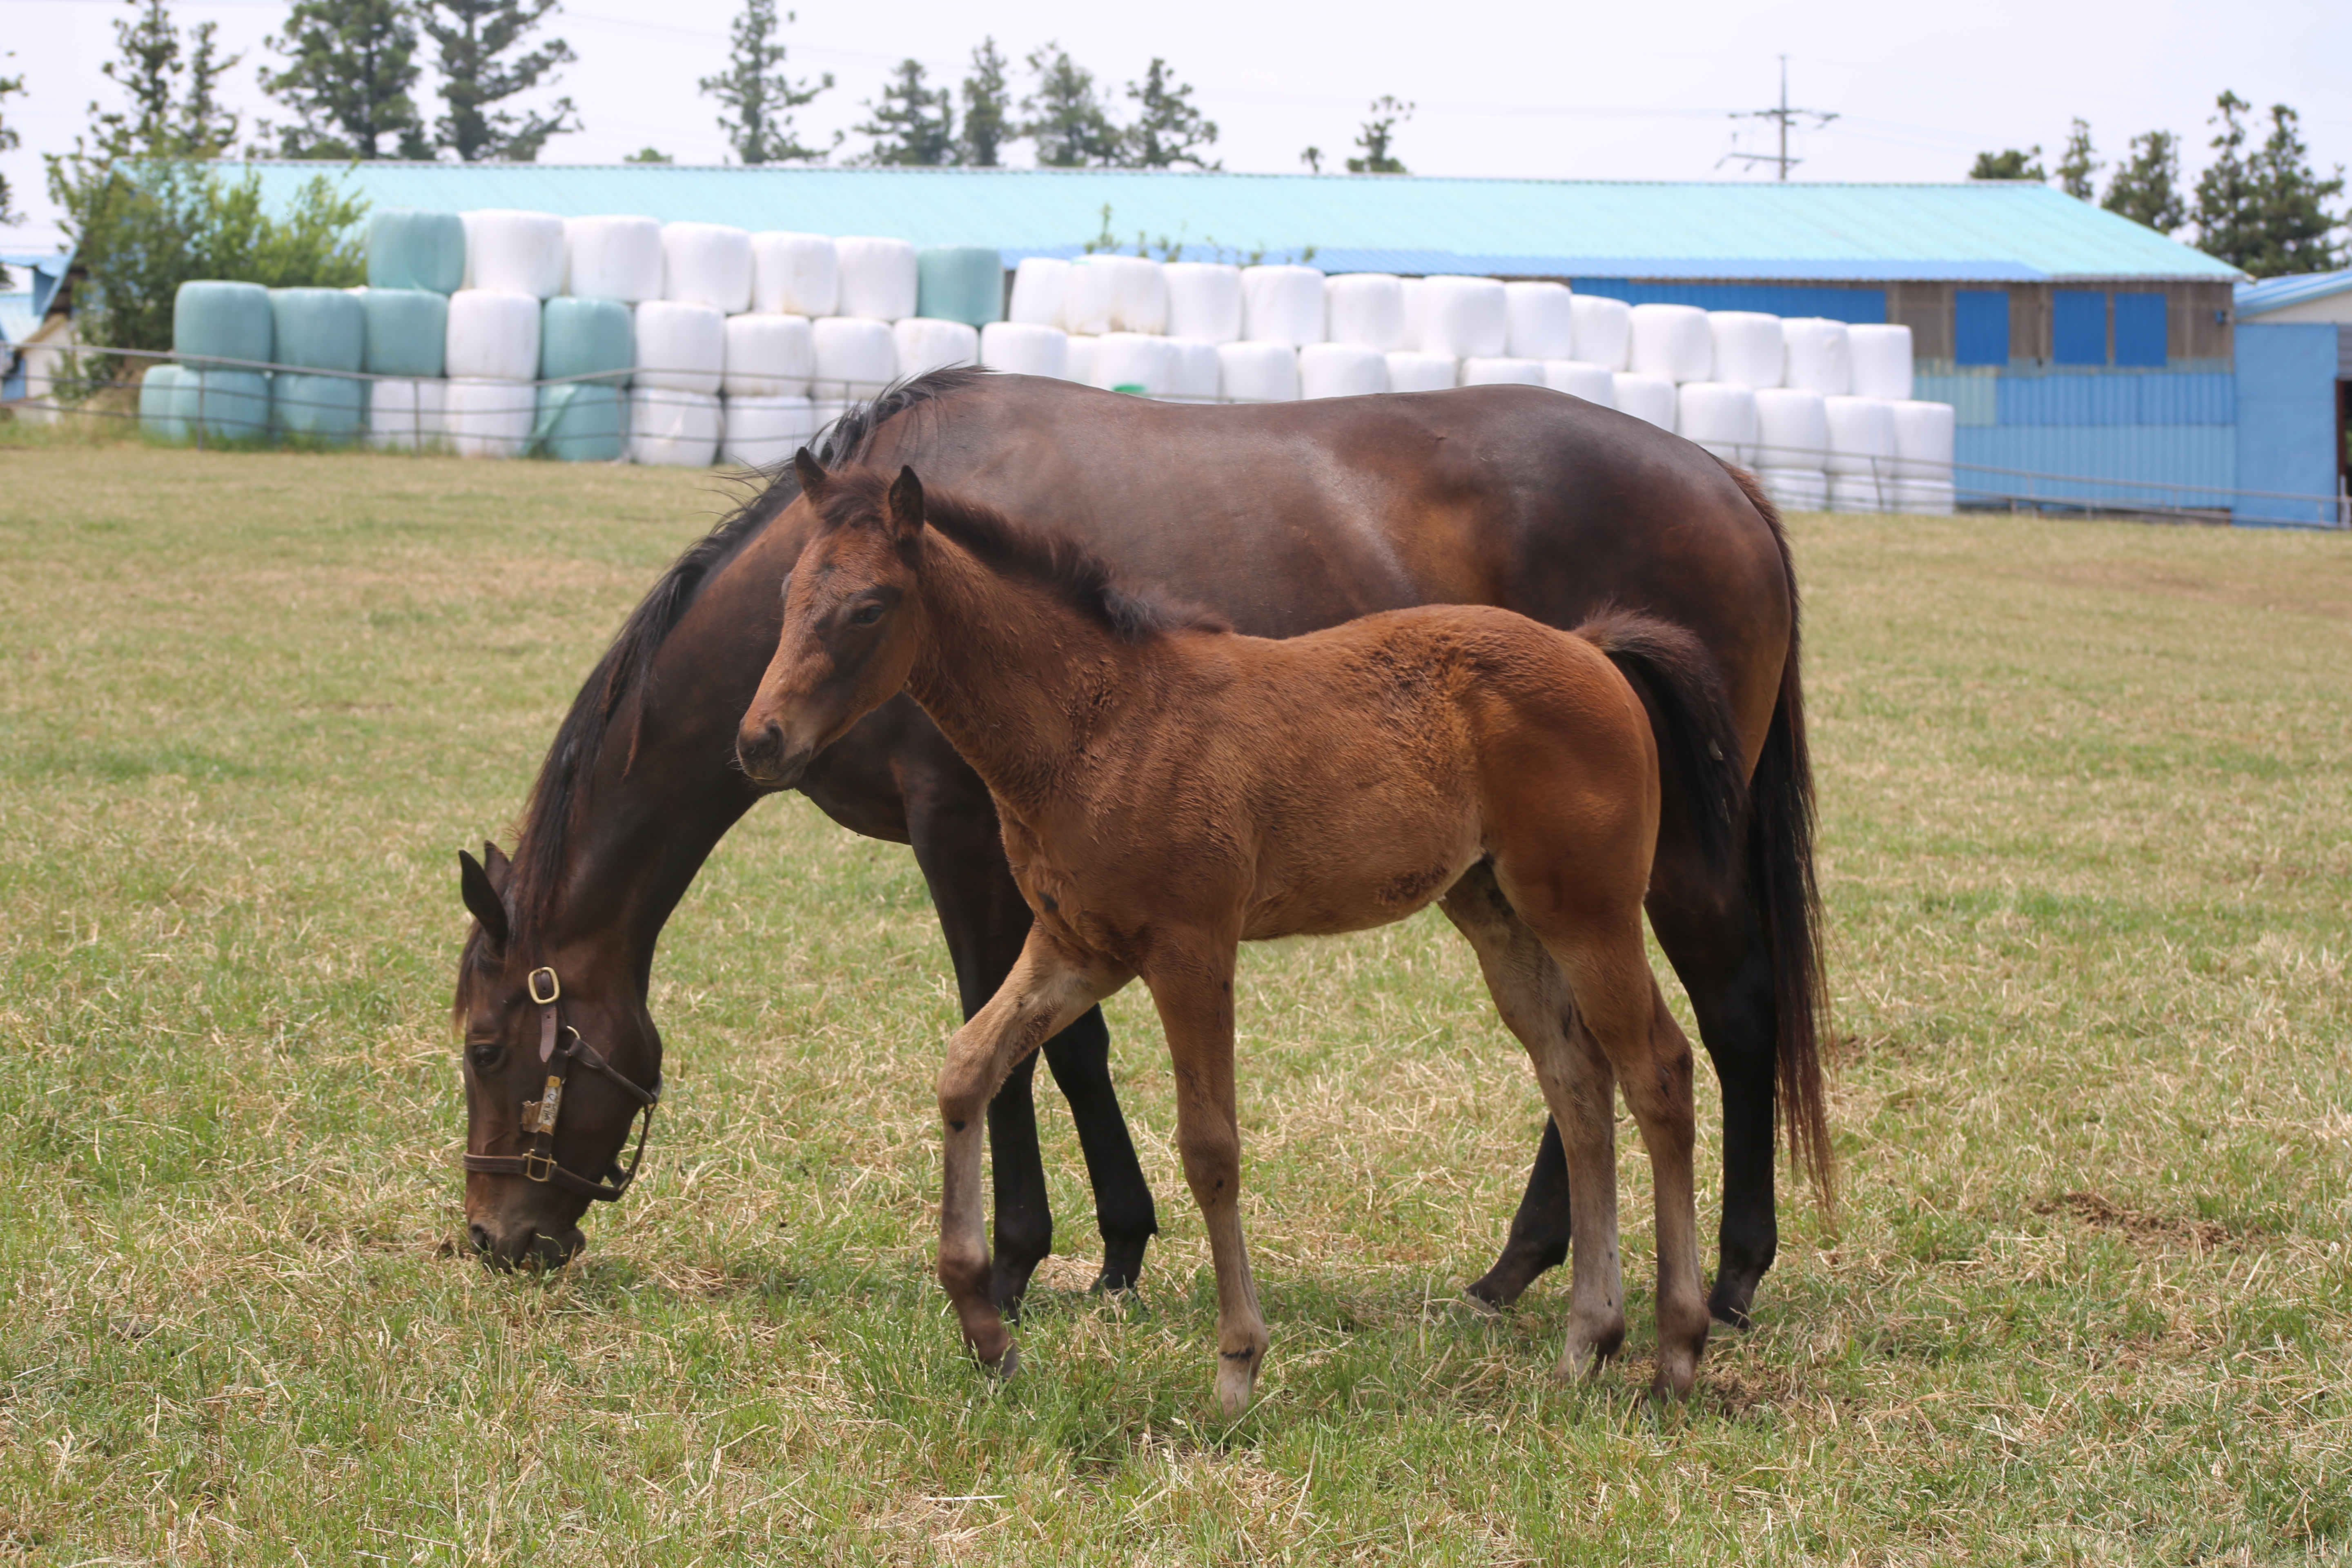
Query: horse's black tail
{"x": 1699, "y": 754}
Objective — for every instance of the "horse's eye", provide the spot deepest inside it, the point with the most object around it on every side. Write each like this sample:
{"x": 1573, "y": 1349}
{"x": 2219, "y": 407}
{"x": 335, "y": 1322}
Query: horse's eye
{"x": 486, "y": 1054}
{"x": 866, "y": 615}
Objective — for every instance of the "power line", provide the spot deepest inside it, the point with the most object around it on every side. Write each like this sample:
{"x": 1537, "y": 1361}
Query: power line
{"x": 1785, "y": 116}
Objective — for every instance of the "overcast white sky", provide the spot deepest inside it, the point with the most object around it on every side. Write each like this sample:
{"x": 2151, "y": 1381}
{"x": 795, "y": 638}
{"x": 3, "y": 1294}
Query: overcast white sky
{"x": 1548, "y": 91}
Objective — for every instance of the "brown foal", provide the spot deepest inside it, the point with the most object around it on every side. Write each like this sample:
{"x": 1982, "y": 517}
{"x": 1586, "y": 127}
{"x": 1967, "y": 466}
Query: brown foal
{"x": 1170, "y": 789}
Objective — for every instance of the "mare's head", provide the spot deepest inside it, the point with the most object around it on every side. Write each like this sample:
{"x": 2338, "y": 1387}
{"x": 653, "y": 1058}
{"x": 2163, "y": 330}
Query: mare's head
{"x": 852, "y": 621}
{"x": 508, "y": 986}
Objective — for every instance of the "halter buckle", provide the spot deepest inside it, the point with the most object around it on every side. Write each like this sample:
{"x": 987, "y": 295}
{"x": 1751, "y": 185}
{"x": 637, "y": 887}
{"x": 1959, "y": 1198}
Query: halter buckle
{"x": 554, "y": 986}
{"x": 538, "y": 1167}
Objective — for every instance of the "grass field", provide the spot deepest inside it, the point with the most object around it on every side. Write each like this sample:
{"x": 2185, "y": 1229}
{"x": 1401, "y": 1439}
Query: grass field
{"x": 2085, "y": 790}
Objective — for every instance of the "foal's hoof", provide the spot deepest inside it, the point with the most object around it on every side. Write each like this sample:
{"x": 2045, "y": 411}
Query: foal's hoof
{"x": 1236, "y": 1380}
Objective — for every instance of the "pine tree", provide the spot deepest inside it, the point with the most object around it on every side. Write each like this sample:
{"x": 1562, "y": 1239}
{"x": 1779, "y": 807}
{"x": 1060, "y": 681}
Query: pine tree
{"x": 1376, "y": 135}
{"x": 1169, "y": 130}
{"x": 2011, "y": 165}
{"x": 648, "y": 156}
{"x": 2266, "y": 211}
{"x": 2147, "y": 186}
{"x": 2076, "y": 165}
{"x": 987, "y": 108}
{"x": 914, "y": 125}
{"x": 475, "y": 39}
{"x": 350, "y": 67}
{"x": 1066, "y": 118}
{"x": 762, "y": 98}
{"x": 8, "y": 214}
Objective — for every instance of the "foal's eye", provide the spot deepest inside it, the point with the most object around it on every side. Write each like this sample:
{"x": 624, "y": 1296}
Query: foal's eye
{"x": 866, "y": 615}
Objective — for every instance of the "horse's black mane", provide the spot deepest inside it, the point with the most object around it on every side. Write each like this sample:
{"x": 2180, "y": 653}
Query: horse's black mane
{"x": 627, "y": 670}
{"x": 1061, "y": 565}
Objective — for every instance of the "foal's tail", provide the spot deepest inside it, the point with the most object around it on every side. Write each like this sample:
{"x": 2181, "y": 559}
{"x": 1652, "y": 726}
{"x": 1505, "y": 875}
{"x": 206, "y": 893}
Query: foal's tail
{"x": 1698, "y": 744}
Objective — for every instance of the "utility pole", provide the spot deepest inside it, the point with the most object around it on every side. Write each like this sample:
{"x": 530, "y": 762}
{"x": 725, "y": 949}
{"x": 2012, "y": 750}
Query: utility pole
{"x": 1785, "y": 116}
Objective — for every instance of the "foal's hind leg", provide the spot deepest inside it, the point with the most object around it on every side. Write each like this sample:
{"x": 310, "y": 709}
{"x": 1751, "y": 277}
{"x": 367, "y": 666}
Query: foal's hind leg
{"x": 1532, "y": 995}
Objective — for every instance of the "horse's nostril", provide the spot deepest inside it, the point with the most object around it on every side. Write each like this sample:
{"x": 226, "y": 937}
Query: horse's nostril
{"x": 481, "y": 1238}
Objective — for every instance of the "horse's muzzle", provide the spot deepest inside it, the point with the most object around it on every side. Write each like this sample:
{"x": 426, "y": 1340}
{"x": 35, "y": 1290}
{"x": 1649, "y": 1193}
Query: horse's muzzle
{"x": 530, "y": 1249}
{"x": 766, "y": 759}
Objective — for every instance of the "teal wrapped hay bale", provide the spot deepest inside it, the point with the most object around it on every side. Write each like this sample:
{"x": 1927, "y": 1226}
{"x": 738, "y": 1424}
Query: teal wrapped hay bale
{"x": 215, "y": 320}
{"x": 224, "y": 404}
{"x": 407, "y": 331}
{"x": 330, "y": 408}
{"x": 960, "y": 283}
{"x": 319, "y": 328}
{"x": 411, "y": 248}
{"x": 584, "y": 337}
{"x": 159, "y": 401}
{"x": 579, "y": 422}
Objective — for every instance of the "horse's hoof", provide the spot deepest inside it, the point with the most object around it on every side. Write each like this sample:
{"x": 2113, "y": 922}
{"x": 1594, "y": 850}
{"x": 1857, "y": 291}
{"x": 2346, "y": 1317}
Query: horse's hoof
{"x": 1237, "y": 1381}
{"x": 1733, "y": 1294}
{"x": 1006, "y": 1366}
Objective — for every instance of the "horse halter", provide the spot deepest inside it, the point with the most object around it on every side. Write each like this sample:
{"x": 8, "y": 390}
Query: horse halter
{"x": 558, "y": 1054}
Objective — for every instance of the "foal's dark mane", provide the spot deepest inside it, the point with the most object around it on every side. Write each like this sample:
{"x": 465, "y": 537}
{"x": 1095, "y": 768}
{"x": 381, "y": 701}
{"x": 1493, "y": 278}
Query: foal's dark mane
{"x": 1061, "y": 565}
{"x": 626, "y": 672}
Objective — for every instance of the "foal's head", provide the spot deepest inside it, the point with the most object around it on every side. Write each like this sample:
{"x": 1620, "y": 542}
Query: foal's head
{"x": 853, "y": 622}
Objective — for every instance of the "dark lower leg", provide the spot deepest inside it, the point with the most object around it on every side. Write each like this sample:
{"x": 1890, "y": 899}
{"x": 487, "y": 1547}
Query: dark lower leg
{"x": 1025, "y": 1216}
{"x": 1751, "y": 1235}
{"x": 1079, "y": 1057}
{"x": 1540, "y": 1231}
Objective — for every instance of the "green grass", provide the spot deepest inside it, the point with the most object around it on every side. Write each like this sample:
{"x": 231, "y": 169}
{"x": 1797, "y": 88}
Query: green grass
{"x": 2084, "y": 793}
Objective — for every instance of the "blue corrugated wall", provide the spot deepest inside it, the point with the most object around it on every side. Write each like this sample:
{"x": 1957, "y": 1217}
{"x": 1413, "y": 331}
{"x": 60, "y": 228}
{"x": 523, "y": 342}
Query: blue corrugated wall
{"x": 2286, "y": 419}
{"x": 2142, "y": 465}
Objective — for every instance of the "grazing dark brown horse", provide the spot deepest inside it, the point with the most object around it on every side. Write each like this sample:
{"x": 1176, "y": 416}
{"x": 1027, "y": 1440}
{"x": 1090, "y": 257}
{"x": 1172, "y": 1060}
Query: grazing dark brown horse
{"x": 1170, "y": 789}
{"x": 1509, "y": 496}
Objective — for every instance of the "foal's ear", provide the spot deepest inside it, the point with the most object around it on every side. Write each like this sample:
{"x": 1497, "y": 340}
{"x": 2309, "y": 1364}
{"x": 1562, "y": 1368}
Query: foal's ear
{"x": 811, "y": 472}
{"x": 907, "y": 506}
{"x": 482, "y": 899}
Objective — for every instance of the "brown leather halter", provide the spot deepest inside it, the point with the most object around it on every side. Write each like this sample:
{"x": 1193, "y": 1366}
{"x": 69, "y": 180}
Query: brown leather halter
{"x": 538, "y": 1115}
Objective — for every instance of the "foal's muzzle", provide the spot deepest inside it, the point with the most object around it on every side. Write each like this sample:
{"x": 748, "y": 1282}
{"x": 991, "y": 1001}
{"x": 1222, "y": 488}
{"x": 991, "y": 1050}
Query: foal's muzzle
{"x": 766, "y": 758}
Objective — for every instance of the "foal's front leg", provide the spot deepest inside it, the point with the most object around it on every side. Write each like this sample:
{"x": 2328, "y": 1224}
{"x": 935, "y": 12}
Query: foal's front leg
{"x": 1048, "y": 987}
{"x": 1194, "y": 993}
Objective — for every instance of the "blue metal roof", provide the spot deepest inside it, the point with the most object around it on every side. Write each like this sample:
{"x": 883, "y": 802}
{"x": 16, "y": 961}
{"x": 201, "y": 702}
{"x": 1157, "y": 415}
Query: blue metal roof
{"x": 1976, "y": 232}
{"x": 2277, "y": 293}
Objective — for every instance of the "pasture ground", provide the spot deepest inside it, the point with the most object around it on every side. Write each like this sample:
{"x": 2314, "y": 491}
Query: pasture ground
{"x": 2085, "y": 790}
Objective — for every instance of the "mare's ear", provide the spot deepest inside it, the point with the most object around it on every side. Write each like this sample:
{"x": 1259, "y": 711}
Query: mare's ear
{"x": 482, "y": 900}
{"x": 907, "y": 506}
{"x": 811, "y": 472}
{"x": 501, "y": 869}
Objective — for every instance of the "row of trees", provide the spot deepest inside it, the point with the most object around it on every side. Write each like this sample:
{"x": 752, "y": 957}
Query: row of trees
{"x": 1068, "y": 118}
{"x": 2259, "y": 206}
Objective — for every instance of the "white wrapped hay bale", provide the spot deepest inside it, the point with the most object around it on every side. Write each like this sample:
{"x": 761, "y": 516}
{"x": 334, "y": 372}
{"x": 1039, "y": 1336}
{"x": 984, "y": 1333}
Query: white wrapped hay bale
{"x": 1282, "y": 305}
{"x": 1593, "y": 383}
{"x": 926, "y": 343}
{"x": 493, "y": 336}
{"x": 485, "y": 418}
{"x": 856, "y": 357}
{"x": 1818, "y": 357}
{"x": 768, "y": 356}
{"x": 1748, "y": 347}
{"x": 405, "y": 414}
{"x": 1650, "y": 397}
{"x": 1603, "y": 329}
{"x": 673, "y": 428}
{"x": 1341, "y": 370}
{"x": 707, "y": 264}
{"x": 1542, "y": 318}
{"x": 1796, "y": 489}
{"x": 1859, "y": 492}
{"x": 1881, "y": 361}
{"x": 794, "y": 274}
{"x": 1114, "y": 294}
{"x": 681, "y": 346}
{"x": 1363, "y": 309}
{"x": 1130, "y": 361}
{"x": 1719, "y": 416}
{"x": 1674, "y": 342}
{"x": 513, "y": 252}
{"x": 761, "y": 432}
{"x": 1414, "y": 292}
{"x": 1930, "y": 498}
{"x": 613, "y": 259}
{"x": 1191, "y": 370}
{"x": 878, "y": 277}
{"x": 1204, "y": 301}
{"x": 1792, "y": 429}
{"x": 1861, "y": 435}
{"x": 1410, "y": 369}
{"x": 1079, "y": 358}
{"x": 1923, "y": 439}
{"x": 1465, "y": 318}
{"x": 1501, "y": 370}
{"x": 1025, "y": 348}
{"x": 1257, "y": 373}
{"x": 1037, "y": 285}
